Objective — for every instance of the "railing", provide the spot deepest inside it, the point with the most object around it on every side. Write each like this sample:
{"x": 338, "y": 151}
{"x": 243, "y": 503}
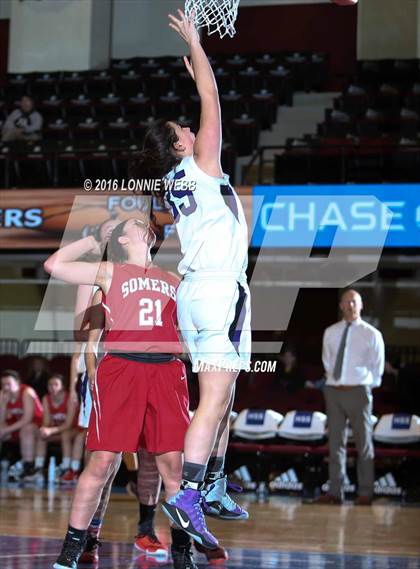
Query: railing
{"x": 348, "y": 160}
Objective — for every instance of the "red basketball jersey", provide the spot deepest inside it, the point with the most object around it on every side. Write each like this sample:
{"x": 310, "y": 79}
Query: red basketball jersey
{"x": 14, "y": 409}
{"x": 58, "y": 413}
{"x": 140, "y": 310}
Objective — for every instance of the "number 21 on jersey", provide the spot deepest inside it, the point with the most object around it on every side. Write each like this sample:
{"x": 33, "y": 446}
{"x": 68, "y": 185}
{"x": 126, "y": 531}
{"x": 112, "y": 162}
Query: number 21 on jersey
{"x": 150, "y": 312}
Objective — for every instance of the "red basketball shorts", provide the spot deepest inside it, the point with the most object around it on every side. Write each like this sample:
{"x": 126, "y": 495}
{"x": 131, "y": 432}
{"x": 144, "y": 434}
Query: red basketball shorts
{"x": 139, "y": 405}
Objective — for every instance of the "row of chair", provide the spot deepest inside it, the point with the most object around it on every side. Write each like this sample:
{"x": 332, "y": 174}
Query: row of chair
{"x": 311, "y": 426}
{"x": 397, "y": 71}
{"x": 168, "y": 73}
{"x": 262, "y": 105}
{"x": 247, "y": 82}
{"x": 68, "y": 164}
{"x": 338, "y": 161}
{"x": 386, "y": 99}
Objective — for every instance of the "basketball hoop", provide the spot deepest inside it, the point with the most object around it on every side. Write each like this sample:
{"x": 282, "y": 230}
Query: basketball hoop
{"x": 217, "y": 15}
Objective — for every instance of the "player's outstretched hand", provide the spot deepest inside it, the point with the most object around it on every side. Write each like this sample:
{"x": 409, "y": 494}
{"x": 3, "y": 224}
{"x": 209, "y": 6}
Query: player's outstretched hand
{"x": 185, "y": 27}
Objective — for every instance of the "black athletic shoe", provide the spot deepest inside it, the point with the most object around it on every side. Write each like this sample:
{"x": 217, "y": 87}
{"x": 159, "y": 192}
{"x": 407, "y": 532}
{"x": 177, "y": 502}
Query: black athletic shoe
{"x": 70, "y": 554}
{"x": 182, "y": 557}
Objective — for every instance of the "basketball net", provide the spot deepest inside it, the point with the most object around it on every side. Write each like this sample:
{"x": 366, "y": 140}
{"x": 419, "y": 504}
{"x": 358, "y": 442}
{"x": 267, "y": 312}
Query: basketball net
{"x": 216, "y": 15}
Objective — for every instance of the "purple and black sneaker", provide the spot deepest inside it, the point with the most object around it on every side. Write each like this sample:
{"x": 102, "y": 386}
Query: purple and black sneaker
{"x": 218, "y": 504}
{"x": 184, "y": 509}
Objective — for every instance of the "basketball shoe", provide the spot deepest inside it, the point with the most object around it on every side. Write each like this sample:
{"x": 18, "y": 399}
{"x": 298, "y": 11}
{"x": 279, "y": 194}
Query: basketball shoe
{"x": 69, "y": 477}
{"x": 150, "y": 545}
{"x": 70, "y": 553}
{"x": 90, "y": 553}
{"x": 182, "y": 557}
{"x": 215, "y": 557}
{"x": 34, "y": 475}
{"x": 218, "y": 504}
{"x": 15, "y": 471}
{"x": 184, "y": 509}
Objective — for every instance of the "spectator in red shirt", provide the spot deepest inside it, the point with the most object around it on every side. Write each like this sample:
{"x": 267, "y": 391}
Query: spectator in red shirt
{"x": 20, "y": 416}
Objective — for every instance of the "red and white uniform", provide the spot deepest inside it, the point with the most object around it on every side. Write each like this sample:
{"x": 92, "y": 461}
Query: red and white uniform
{"x": 58, "y": 413}
{"x": 136, "y": 404}
{"x": 14, "y": 409}
{"x": 140, "y": 310}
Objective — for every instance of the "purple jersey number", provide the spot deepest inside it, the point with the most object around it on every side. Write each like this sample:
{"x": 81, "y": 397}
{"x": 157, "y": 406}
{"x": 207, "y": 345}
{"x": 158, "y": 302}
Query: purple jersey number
{"x": 187, "y": 206}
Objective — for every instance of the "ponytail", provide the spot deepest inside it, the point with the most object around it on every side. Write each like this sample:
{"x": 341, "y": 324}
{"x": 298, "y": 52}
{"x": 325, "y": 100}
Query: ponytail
{"x": 157, "y": 157}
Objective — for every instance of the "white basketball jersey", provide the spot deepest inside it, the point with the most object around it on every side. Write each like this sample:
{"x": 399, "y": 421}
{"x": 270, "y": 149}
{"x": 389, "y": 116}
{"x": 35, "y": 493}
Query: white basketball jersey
{"x": 209, "y": 219}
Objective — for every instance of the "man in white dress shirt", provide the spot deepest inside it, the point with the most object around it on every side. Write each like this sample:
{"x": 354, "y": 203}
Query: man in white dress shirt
{"x": 353, "y": 357}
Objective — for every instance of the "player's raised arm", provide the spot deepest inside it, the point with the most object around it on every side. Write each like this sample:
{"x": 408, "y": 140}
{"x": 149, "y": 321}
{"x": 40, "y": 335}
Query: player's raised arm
{"x": 63, "y": 264}
{"x": 208, "y": 143}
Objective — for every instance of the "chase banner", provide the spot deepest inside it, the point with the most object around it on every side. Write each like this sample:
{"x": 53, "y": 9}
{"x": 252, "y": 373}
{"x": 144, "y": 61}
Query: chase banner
{"x": 356, "y": 216}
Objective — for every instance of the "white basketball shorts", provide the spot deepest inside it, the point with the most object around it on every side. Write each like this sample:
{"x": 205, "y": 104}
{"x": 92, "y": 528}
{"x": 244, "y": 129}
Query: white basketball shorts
{"x": 214, "y": 316}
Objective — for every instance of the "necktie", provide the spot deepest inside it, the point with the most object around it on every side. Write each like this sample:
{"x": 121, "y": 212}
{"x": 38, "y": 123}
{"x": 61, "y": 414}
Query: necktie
{"x": 338, "y": 367}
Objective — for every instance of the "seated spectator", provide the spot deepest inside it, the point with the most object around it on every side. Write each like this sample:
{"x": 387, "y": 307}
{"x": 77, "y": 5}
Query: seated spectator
{"x": 24, "y": 123}
{"x": 59, "y": 426}
{"x": 290, "y": 375}
{"x": 37, "y": 375}
{"x": 20, "y": 419}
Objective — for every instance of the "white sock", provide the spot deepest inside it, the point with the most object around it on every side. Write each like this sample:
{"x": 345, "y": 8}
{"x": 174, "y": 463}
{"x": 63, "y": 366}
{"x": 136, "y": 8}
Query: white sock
{"x": 39, "y": 462}
{"x": 65, "y": 463}
{"x": 75, "y": 465}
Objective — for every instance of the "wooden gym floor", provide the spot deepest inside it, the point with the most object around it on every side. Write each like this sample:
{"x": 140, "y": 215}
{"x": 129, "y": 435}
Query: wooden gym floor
{"x": 280, "y": 533}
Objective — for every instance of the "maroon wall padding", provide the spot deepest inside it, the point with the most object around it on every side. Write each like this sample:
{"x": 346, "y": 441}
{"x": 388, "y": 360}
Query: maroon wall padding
{"x": 316, "y": 27}
{"x": 4, "y": 48}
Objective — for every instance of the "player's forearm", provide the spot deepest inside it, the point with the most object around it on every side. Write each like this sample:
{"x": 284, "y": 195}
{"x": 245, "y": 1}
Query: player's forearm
{"x": 204, "y": 76}
{"x": 90, "y": 360}
{"x": 18, "y": 425}
{"x": 70, "y": 253}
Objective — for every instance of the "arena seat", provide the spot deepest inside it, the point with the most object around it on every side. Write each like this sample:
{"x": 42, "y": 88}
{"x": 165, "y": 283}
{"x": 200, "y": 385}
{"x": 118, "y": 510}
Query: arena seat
{"x": 118, "y": 129}
{"x": 249, "y": 81}
{"x": 99, "y": 84}
{"x": 398, "y": 429}
{"x": 303, "y": 426}
{"x": 138, "y": 107}
{"x": 257, "y": 424}
{"x": 72, "y": 84}
{"x": 158, "y": 82}
{"x": 52, "y": 108}
{"x": 128, "y": 83}
{"x": 79, "y": 107}
{"x": 169, "y": 105}
{"x": 57, "y": 130}
{"x": 244, "y": 133}
{"x": 108, "y": 107}
{"x": 263, "y": 107}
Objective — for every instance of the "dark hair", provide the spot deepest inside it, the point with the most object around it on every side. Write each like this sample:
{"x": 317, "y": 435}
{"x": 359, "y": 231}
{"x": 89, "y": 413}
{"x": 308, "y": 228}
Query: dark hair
{"x": 10, "y": 373}
{"x": 157, "y": 157}
{"x": 346, "y": 290}
{"x": 114, "y": 251}
{"x": 58, "y": 376}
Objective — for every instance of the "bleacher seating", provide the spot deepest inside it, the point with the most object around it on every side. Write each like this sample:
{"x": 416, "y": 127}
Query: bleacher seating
{"x": 107, "y": 105}
{"x": 371, "y": 135}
